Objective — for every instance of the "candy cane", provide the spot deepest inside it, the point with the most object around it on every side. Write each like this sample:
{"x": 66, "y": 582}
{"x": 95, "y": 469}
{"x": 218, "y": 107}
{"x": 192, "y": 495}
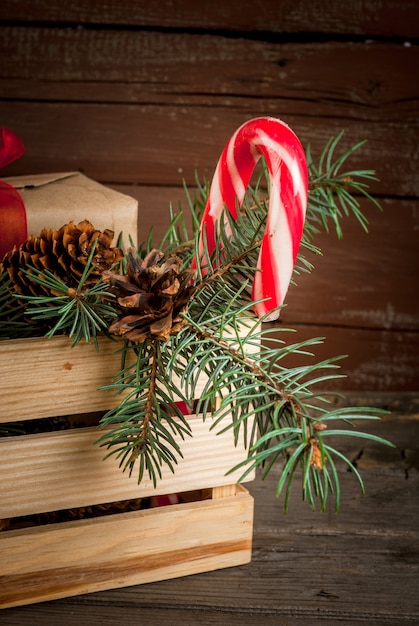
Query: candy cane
{"x": 286, "y": 162}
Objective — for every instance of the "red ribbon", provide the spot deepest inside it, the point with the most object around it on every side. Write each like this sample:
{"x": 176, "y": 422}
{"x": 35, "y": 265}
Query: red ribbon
{"x": 13, "y": 224}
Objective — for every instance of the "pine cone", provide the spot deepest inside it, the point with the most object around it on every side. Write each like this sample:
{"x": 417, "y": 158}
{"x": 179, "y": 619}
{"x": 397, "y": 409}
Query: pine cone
{"x": 151, "y": 295}
{"x": 63, "y": 252}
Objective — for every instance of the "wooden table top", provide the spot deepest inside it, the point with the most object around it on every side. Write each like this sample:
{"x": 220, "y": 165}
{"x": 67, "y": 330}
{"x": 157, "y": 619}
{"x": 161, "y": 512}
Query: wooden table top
{"x": 359, "y": 565}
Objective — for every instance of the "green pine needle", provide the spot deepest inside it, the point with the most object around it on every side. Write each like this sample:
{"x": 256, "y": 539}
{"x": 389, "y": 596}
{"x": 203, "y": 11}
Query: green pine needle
{"x": 81, "y": 312}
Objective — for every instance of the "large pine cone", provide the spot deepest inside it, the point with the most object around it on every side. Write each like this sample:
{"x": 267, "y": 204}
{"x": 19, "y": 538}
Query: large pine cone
{"x": 63, "y": 252}
{"x": 152, "y": 294}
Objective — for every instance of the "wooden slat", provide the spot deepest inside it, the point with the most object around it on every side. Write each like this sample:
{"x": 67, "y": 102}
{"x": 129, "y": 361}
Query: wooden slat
{"x": 161, "y": 145}
{"x": 377, "y": 18}
{"x": 78, "y": 557}
{"x": 374, "y": 359}
{"x": 65, "y": 469}
{"x": 344, "y": 560}
{"x": 296, "y": 82}
{"x": 61, "y": 380}
{"x": 179, "y": 68}
{"x": 359, "y": 565}
{"x": 223, "y": 491}
{"x": 373, "y": 99}
{"x": 67, "y": 379}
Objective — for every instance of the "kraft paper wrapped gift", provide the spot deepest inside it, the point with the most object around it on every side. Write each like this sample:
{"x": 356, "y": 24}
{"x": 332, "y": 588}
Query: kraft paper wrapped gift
{"x": 52, "y": 200}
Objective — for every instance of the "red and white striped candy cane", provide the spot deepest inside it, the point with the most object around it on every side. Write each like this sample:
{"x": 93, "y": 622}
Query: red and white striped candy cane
{"x": 286, "y": 162}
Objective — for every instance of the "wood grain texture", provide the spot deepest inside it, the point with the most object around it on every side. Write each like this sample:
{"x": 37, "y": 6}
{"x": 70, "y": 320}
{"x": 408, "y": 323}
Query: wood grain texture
{"x": 164, "y": 146}
{"x": 67, "y": 469}
{"x": 353, "y": 79}
{"x": 69, "y": 379}
{"x": 58, "y": 560}
{"x": 377, "y": 17}
{"x": 351, "y": 84}
{"x": 65, "y": 377}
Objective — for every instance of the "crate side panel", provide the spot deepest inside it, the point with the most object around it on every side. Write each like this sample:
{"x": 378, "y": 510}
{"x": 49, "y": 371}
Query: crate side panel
{"x": 128, "y": 549}
{"x": 62, "y": 380}
{"x": 65, "y": 469}
{"x": 56, "y": 379}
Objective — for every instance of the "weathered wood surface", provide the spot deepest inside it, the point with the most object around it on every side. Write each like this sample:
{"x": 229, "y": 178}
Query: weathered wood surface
{"x": 352, "y": 567}
{"x": 151, "y": 108}
{"x": 141, "y": 96}
{"x": 378, "y": 17}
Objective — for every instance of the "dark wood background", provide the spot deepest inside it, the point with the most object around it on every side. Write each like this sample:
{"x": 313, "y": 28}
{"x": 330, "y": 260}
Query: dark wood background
{"x": 140, "y": 95}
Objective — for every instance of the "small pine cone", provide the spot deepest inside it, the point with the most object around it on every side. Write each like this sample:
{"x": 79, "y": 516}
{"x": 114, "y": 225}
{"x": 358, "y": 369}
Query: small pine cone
{"x": 152, "y": 294}
{"x": 63, "y": 252}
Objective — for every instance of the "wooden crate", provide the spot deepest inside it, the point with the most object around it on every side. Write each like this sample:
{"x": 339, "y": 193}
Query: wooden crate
{"x": 60, "y": 470}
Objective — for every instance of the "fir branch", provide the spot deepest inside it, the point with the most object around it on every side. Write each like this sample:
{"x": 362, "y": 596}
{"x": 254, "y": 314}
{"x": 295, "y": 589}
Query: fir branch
{"x": 144, "y": 430}
{"x": 81, "y": 312}
{"x": 78, "y": 313}
{"x": 288, "y": 425}
{"x": 281, "y": 400}
{"x": 139, "y": 439}
{"x": 333, "y": 192}
{"x": 237, "y": 356}
{"x": 248, "y": 387}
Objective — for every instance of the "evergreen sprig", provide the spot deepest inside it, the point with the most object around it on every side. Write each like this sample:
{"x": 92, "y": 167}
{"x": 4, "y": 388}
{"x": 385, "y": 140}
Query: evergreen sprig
{"x": 81, "y": 312}
{"x": 333, "y": 193}
{"x": 147, "y": 424}
{"x": 249, "y": 389}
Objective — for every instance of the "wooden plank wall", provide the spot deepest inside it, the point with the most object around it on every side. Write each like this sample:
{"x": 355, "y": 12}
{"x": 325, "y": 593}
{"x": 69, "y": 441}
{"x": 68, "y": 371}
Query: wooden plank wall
{"x": 141, "y": 95}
